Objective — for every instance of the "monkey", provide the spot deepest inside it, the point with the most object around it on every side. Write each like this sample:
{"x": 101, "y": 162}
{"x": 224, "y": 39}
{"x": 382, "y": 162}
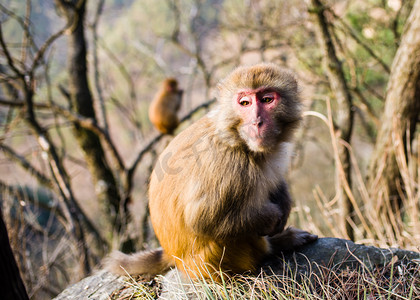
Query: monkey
{"x": 165, "y": 105}
{"x": 218, "y": 198}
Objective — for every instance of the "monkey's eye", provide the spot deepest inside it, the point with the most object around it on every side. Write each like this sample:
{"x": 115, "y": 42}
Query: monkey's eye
{"x": 244, "y": 102}
{"x": 267, "y": 99}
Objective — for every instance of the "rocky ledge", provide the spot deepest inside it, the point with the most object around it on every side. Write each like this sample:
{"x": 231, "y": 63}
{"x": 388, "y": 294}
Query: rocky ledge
{"x": 326, "y": 253}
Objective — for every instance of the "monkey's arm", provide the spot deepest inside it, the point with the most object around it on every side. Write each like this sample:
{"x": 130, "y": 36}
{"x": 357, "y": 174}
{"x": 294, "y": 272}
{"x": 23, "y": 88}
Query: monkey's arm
{"x": 281, "y": 197}
{"x": 282, "y": 239}
{"x": 230, "y": 222}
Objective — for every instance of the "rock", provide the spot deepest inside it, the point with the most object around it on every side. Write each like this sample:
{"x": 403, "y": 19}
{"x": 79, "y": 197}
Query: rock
{"x": 337, "y": 254}
{"x": 333, "y": 253}
{"x": 97, "y": 286}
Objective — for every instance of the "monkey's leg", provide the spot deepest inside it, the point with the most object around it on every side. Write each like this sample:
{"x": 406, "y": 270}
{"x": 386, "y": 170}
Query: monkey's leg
{"x": 290, "y": 239}
{"x": 216, "y": 259}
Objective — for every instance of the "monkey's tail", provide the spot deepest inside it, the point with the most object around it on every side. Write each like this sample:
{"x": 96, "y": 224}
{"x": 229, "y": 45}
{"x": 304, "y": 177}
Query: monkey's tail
{"x": 150, "y": 263}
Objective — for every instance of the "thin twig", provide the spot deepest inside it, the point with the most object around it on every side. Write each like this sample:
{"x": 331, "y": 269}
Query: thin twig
{"x": 22, "y": 161}
{"x": 347, "y": 29}
{"x": 96, "y": 77}
{"x": 9, "y": 58}
{"x": 84, "y": 122}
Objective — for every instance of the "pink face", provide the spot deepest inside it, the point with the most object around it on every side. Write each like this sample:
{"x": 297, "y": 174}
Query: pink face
{"x": 256, "y": 109}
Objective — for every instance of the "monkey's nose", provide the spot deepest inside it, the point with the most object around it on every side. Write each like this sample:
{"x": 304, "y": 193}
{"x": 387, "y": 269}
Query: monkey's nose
{"x": 257, "y": 122}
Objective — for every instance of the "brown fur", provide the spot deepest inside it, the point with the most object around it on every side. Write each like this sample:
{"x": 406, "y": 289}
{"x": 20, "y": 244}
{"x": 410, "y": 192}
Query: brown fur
{"x": 165, "y": 105}
{"x": 214, "y": 203}
{"x": 146, "y": 262}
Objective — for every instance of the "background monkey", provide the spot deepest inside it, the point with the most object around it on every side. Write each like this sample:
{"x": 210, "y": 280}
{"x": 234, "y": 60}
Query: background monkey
{"x": 218, "y": 198}
{"x": 165, "y": 105}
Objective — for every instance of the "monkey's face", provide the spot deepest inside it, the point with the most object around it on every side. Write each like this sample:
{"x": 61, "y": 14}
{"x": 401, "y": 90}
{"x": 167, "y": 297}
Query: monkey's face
{"x": 257, "y": 109}
{"x": 260, "y": 107}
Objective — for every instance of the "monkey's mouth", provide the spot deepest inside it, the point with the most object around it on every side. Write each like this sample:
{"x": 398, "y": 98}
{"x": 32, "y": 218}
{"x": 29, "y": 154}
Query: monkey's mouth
{"x": 255, "y": 136}
{"x": 253, "y": 132}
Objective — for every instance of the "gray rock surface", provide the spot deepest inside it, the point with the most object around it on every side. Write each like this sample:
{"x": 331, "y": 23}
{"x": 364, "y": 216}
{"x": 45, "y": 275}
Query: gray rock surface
{"x": 333, "y": 253}
{"x": 97, "y": 286}
{"x": 337, "y": 254}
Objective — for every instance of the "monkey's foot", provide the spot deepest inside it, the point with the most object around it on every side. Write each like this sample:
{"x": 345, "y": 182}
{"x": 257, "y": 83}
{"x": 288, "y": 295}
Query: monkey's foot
{"x": 290, "y": 239}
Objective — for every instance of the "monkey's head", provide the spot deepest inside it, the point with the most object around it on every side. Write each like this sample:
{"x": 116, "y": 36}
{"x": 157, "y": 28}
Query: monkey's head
{"x": 170, "y": 84}
{"x": 259, "y": 106}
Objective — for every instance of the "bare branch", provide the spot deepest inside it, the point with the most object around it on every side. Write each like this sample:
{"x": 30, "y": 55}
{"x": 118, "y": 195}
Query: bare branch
{"x": 20, "y": 103}
{"x": 8, "y": 56}
{"x": 26, "y": 34}
{"x": 128, "y": 114}
{"x": 21, "y": 193}
{"x": 24, "y": 163}
{"x": 23, "y": 22}
{"x": 123, "y": 70}
{"x": 345, "y": 116}
{"x": 196, "y": 53}
{"x": 87, "y": 123}
{"x": 96, "y": 77}
{"x": 40, "y": 53}
{"x": 348, "y": 30}
{"x": 198, "y": 108}
{"x": 148, "y": 50}
{"x": 91, "y": 124}
{"x": 366, "y": 104}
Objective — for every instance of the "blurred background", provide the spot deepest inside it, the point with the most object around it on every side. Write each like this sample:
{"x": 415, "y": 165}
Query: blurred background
{"x": 77, "y": 147}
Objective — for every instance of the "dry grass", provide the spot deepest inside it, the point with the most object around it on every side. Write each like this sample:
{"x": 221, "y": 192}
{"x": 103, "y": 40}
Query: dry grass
{"x": 376, "y": 223}
{"x": 398, "y": 280}
{"x": 137, "y": 288}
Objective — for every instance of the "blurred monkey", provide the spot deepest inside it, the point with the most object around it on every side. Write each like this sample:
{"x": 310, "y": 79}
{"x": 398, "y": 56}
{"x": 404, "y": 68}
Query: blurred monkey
{"x": 218, "y": 195}
{"x": 165, "y": 105}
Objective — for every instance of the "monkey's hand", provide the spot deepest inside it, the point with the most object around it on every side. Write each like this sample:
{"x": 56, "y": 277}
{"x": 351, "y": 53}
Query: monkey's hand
{"x": 290, "y": 239}
{"x": 272, "y": 216}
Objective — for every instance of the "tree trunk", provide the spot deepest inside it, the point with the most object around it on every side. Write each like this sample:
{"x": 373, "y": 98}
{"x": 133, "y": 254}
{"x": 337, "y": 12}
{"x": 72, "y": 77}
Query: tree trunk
{"x": 106, "y": 186}
{"x": 345, "y": 115}
{"x": 400, "y": 117}
{"x": 11, "y": 284}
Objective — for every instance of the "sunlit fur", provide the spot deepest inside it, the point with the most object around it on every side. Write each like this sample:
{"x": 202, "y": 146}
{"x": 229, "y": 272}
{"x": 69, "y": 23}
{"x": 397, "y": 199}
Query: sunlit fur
{"x": 214, "y": 203}
{"x": 165, "y": 105}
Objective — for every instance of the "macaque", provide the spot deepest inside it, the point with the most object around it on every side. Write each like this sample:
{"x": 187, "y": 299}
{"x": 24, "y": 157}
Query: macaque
{"x": 164, "y": 107}
{"x": 218, "y": 195}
